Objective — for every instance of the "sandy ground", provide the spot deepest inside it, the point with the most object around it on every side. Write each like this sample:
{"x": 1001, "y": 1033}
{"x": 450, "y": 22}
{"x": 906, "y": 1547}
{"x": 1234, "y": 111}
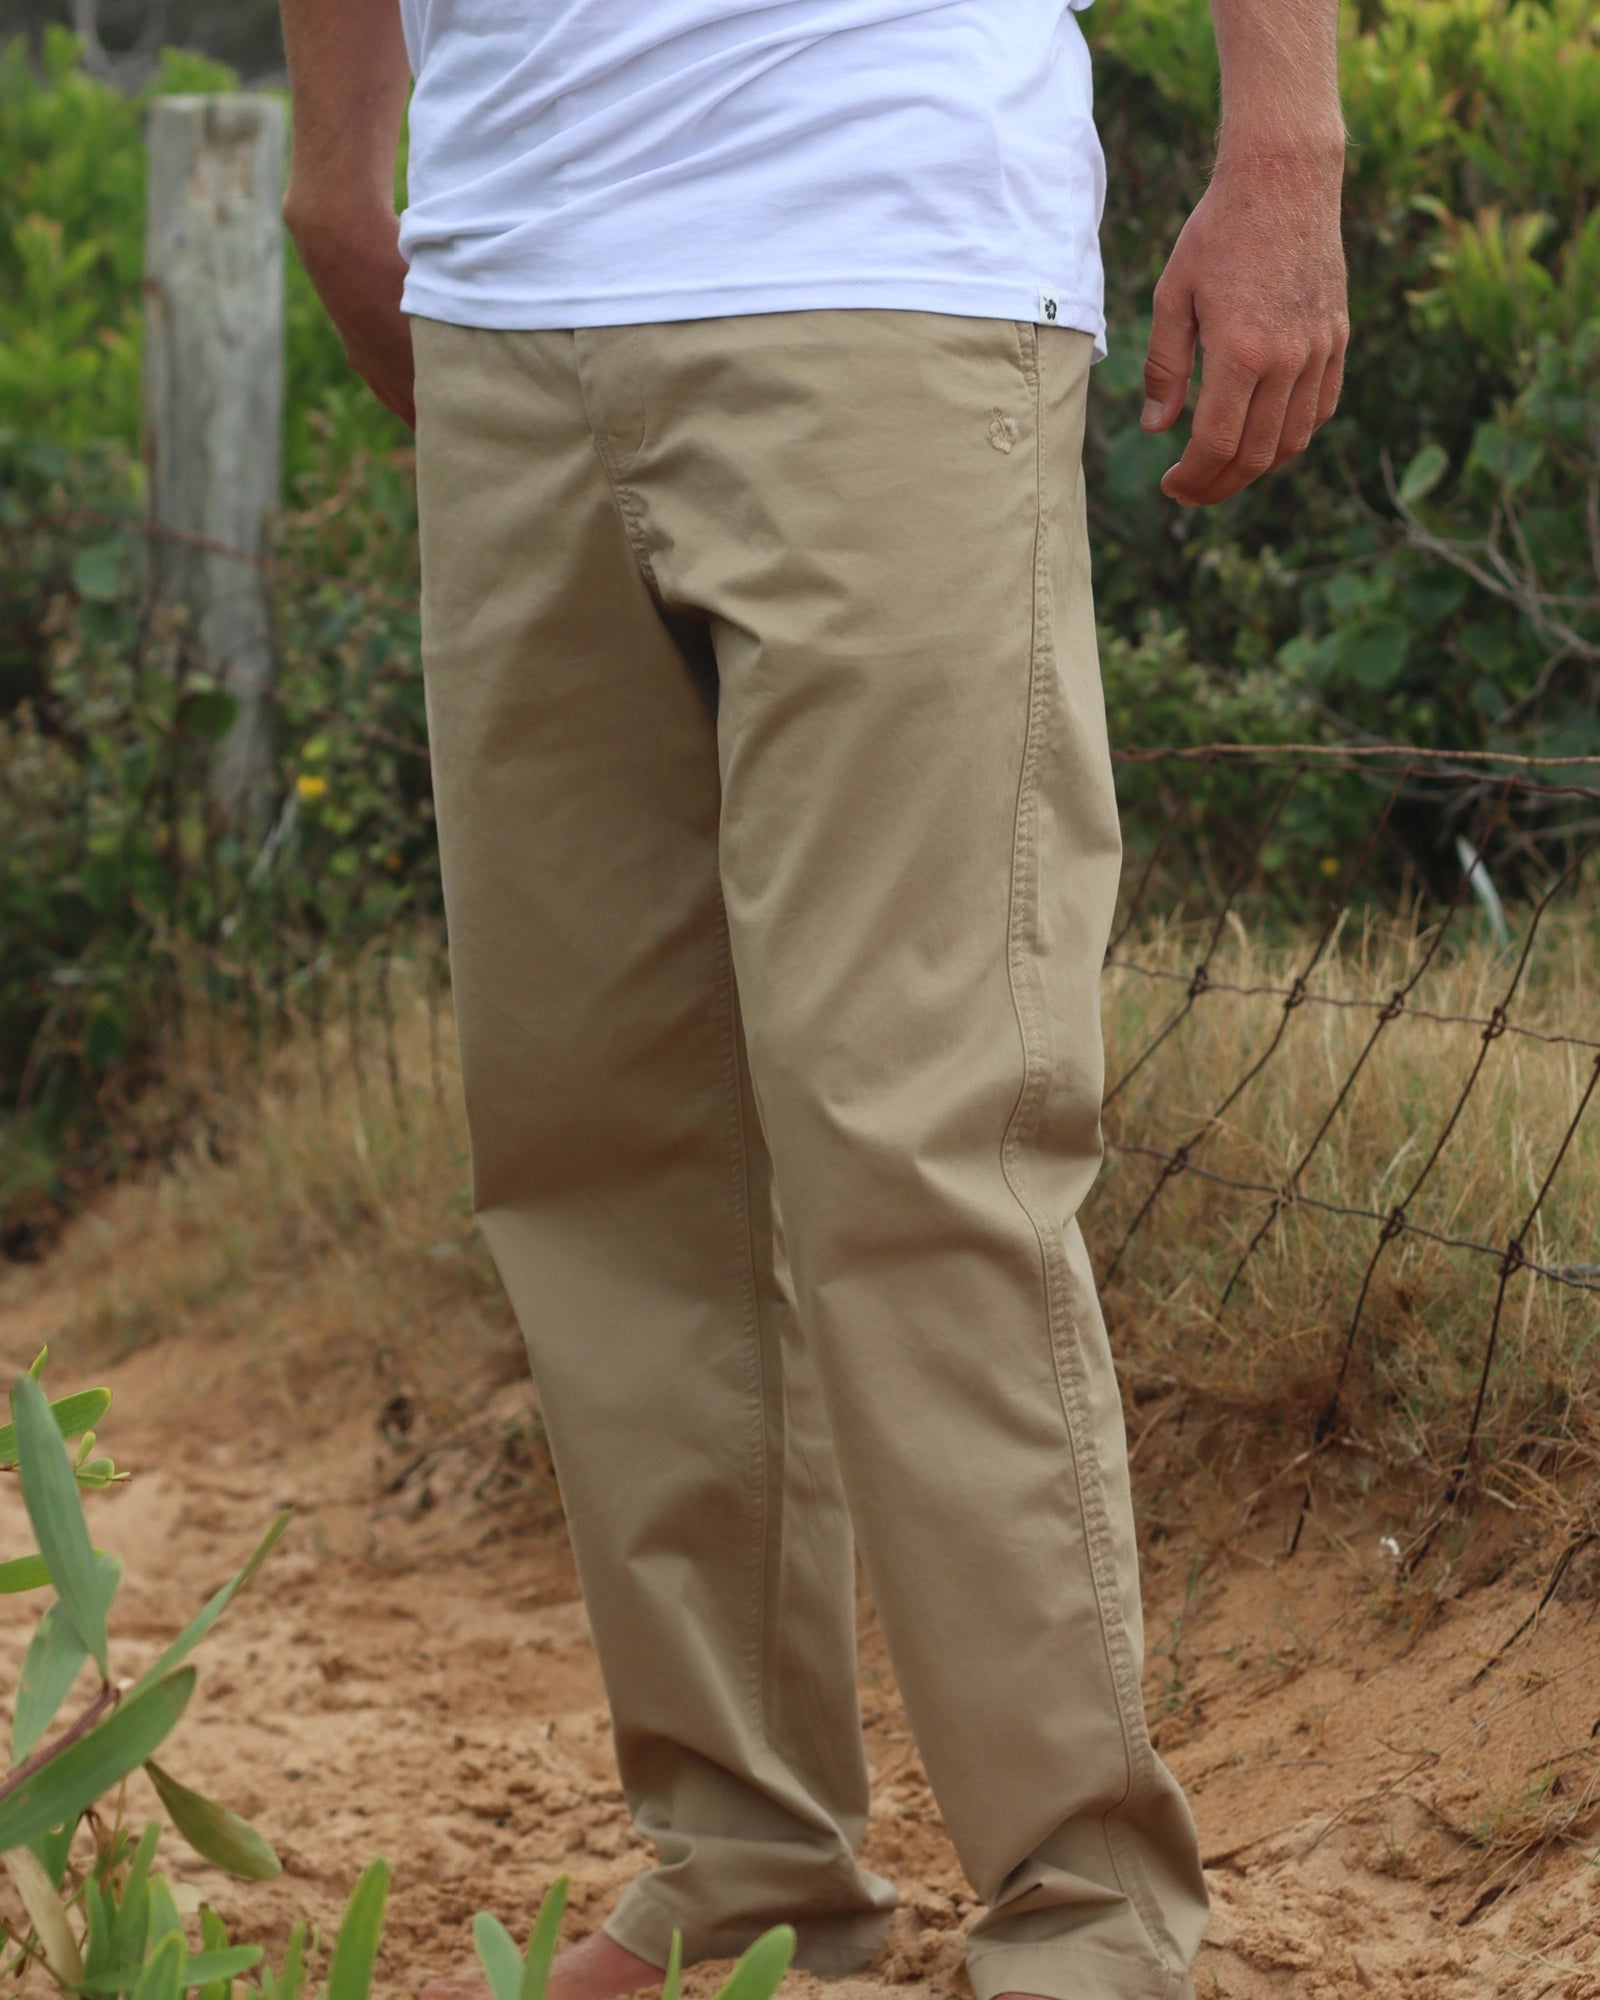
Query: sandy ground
{"x": 412, "y": 1675}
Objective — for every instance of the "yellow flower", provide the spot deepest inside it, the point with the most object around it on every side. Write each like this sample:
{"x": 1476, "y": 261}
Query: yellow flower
{"x": 1330, "y": 864}
{"x": 310, "y": 786}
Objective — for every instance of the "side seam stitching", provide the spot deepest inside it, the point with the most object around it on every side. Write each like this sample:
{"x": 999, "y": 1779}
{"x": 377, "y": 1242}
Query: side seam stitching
{"x": 734, "y": 1122}
{"x": 1030, "y": 1102}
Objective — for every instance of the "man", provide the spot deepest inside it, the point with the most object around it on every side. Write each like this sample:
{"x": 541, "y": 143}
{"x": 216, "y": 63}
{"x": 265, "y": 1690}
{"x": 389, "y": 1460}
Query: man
{"x": 751, "y": 341}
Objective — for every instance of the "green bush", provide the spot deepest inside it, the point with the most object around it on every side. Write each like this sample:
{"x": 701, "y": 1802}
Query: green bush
{"x": 1472, "y": 240}
{"x": 1472, "y": 385}
{"x": 121, "y": 889}
{"x": 113, "y": 867}
{"x": 72, "y": 189}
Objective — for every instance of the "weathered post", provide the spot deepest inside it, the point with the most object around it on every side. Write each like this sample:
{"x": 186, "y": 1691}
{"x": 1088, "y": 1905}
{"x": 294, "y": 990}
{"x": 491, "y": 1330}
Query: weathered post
{"x": 213, "y": 403}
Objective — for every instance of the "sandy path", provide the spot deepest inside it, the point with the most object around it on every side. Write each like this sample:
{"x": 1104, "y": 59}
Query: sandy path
{"x": 412, "y": 1675}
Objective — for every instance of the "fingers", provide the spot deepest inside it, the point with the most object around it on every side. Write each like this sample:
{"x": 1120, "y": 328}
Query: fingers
{"x": 1169, "y": 360}
{"x": 1300, "y": 414}
{"x": 1257, "y": 281}
{"x": 377, "y": 343}
{"x": 1229, "y": 422}
{"x": 1332, "y": 383}
{"x": 1253, "y": 424}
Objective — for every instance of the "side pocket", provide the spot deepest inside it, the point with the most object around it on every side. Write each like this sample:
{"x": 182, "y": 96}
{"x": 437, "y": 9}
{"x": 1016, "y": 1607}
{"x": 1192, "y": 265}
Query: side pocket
{"x": 1028, "y": 350}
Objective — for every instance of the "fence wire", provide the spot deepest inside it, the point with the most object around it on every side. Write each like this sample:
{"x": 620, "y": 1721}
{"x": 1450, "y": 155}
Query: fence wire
{"x": 1496, "y": 795}
{"x": 1533, "y": 822}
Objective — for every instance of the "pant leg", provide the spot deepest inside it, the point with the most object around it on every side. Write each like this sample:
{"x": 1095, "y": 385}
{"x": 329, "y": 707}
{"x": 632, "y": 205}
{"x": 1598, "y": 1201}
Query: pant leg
{"x": 882, "y": 513}
{"x": 618, "y": 1170}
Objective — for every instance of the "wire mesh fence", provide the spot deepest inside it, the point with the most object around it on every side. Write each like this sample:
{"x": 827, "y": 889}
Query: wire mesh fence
{"x": 1392, "y": 1063}
{"x": 1269, "y": 1059}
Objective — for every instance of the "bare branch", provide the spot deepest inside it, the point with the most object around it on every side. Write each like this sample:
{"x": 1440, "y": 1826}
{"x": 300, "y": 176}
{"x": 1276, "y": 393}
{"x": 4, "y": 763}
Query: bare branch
{"x": 1501, "y": 579}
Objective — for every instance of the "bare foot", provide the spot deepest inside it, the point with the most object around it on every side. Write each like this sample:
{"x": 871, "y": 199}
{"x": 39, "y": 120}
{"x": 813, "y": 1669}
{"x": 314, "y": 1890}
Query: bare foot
{"x": 597, "y": 1968}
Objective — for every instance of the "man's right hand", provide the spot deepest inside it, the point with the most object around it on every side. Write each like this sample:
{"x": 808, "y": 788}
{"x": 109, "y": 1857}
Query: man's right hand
{"x": 348, "y": 80}
{"x": 354, "y": 262}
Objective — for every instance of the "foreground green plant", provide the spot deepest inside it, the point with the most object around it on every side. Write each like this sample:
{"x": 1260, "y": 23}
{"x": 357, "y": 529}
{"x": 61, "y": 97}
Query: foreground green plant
{"x": 100, "y": 1920}
{"x": 515, "y": 1976}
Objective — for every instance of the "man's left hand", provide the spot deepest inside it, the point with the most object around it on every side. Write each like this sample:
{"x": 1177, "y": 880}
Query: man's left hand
{"x": 1257, "y": 278}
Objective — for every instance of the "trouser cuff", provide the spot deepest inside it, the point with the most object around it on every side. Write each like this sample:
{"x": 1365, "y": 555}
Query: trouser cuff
{"x": 1063, "y": 1971}
{"x": 828, "y": 1947}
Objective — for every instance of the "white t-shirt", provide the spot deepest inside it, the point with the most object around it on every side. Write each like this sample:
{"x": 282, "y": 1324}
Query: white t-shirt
{"x": 612, "y": 162}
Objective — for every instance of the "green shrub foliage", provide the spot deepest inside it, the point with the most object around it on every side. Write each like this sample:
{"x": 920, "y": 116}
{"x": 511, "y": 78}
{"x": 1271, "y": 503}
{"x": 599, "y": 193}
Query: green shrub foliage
{"x": 1471, "y": 400}
{"x": 1429, "y": 573}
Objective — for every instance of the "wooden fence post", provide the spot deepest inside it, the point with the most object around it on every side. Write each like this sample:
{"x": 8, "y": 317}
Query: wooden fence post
{"x": 213, "y": 404}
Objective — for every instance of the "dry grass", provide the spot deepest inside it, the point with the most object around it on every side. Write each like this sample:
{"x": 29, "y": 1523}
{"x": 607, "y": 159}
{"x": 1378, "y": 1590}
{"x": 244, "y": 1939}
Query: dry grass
{"x": 325, "y": 1211}
{"x": 1416, "y": 1362}
{"x": 313, "y": 1204}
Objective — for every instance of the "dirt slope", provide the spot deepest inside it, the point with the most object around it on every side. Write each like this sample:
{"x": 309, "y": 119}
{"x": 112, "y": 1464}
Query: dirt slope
{"x": 412, "y": 1675}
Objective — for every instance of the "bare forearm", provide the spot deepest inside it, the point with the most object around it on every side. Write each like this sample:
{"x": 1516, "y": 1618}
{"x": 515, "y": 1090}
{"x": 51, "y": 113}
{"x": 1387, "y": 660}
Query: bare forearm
{"x": 1257, "y": 277}
{"x": 348, "y": 78}
{"x": 1280, "y": 82}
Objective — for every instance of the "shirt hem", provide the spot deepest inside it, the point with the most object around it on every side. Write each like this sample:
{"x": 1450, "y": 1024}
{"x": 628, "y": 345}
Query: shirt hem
{"x": 1081, "y": 312}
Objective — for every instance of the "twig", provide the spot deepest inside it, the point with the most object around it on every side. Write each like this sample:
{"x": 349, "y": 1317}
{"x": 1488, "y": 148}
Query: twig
{"x": 107, "y": 1698}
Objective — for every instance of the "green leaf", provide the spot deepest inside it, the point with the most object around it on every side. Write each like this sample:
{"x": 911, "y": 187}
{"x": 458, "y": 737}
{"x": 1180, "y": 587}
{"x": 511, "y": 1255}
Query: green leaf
{"x": 355, "y": 1949}
{"x": 1488, "y": 644}
{"x": 23, "y": 1573}
{"x": 209, "y": 715}
{"x": 760, "y": 1971}
{"x": 205, "y": 1969}
{"x": 164, "y": 1917}
{"x": 1423, "y": 474}
{"x": 197, "y": 1629}
{"x": 51, "y": 1495}
{"x": 61, "y": 1789}
{"x": 1432, "y": 595}
{"x": 1349, "y": 591}
{"x": 217, "y": 1968}
{"x": 133, "y": 1918}
{"x": 287, "y": 1984}
{"x": 52, "y": 1849}
{"x": 55, "y": 1655}
{"x": 98, "y": 570}
{"x": 498, "y": 1955}
{"x": 73, "y": 1415}
{"x": 215, "y": 1833}
{"x": 100, "y": 1944}
{"x": 669, "y": 1989}
{"x": 1373, "y": 653}
{"x": 1505, "y": 455}
{"x": 44, "y": 456}
{"x": 213, "y": 1939}
{"x": 542, "y": 1945}
{"x": 162, "y": 1977}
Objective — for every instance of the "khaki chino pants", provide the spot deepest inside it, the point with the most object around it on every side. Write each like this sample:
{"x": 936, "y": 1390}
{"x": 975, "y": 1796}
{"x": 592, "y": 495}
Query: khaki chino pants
{"x": 779, "y": 850}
